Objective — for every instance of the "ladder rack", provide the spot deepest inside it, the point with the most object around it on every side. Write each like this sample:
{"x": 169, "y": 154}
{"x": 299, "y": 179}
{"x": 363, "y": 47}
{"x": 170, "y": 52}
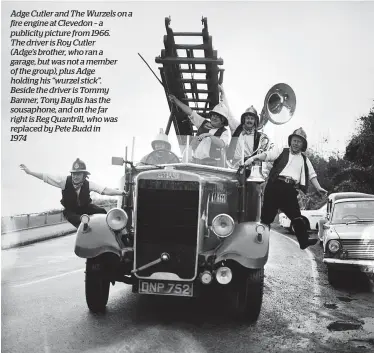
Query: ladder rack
{"x": 193, "y": 78}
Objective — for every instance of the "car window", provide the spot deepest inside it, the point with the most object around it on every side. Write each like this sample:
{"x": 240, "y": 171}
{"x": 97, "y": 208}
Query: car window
{"x": 353, "y": 210}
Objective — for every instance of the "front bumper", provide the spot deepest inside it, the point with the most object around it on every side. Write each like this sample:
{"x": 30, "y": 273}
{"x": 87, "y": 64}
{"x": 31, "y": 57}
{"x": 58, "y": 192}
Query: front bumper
{"x": 365, "y": 265}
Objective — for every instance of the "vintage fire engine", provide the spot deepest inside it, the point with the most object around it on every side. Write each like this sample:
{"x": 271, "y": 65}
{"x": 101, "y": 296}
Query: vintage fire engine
{"x": 184, "y": 227}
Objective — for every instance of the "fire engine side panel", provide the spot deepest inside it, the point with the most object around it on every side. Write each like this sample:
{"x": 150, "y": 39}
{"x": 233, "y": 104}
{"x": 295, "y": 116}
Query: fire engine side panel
{"x": 243, "y": 246}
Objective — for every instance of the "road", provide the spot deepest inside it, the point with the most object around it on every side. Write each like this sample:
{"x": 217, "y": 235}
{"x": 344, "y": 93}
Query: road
{"x": 44, "y": 309}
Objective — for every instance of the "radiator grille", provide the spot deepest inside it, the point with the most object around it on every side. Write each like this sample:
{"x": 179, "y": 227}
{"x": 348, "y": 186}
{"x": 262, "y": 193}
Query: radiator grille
{"x": 167, "y": 220}
{"x": 359, "y": 248}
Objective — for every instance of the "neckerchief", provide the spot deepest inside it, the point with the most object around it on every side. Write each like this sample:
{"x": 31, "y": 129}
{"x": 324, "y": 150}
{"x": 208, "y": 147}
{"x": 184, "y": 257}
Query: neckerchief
{"x": 248, "y": 132}
{"x": 294, "y": 153}
{"x": 209, "y": 126}
{"x": 78, "y": 185}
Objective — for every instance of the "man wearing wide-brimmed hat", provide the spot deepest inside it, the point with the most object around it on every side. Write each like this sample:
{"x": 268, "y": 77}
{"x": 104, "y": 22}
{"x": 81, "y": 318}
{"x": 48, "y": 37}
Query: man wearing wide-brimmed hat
{"x": 211, "y": 136}
{"x": 76, "y": 191}
{"x": 292, "y": 170}
{"x": 159, "y": 143}
{"x": 244, "y": 133}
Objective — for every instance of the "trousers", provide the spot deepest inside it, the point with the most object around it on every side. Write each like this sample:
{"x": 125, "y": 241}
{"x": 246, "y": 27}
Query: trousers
{"x": 280, "y": 195}
{"x": 74, "y": 216}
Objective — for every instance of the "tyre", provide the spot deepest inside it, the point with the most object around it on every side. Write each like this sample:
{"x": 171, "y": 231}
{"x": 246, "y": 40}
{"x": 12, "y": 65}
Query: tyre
{"x": 96, "y": 287}
{"x": 249, "y": 292}
{"x": 333, "y": 276}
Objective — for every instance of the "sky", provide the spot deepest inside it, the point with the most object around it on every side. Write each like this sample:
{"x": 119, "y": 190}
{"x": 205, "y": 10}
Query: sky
{"x": 323, "y": 50}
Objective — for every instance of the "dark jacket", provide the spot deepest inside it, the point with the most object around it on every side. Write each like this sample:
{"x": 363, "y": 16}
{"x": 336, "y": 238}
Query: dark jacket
{"x": 69, "y": 196}
{"x": 215, "y": 152}
{"x": 281, "y": 162}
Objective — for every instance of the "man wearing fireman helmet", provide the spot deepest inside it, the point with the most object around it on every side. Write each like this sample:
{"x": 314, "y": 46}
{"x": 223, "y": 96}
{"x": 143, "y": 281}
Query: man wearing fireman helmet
{"x": 162, "y": 145}
{"x": 291, "y": 170}
{"x": 211, "y": 136}
{"x": 244, "y": 133}
{"x": 76, "y": 191}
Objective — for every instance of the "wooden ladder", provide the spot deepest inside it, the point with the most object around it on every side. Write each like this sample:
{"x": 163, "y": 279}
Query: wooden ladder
{"x": 191, "y": 73}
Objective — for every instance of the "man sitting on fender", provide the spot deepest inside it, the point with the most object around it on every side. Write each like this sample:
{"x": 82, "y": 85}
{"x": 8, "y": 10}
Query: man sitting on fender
{"x": 211, "y": 135}
{"x": 291, "y": 170}
{"x": 76, "y": 191}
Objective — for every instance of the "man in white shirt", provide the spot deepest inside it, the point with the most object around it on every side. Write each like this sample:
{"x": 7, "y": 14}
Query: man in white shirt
{"x": 76, "y": 191}
{"x": 291, "y": 170}
{"x": 211, "y": 136}
{"x": 244, "y": 133}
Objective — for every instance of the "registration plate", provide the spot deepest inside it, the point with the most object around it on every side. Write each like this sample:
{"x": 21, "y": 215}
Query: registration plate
{"x": 166, "y": 288}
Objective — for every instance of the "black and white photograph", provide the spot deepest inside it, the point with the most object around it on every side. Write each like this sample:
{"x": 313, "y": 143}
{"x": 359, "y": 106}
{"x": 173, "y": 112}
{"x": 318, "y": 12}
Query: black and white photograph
{"x": 187, "y": 176}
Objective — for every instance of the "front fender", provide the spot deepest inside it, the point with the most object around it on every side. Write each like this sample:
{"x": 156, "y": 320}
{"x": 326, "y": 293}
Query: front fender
{"x": 243, "y": 247}
{"x": 96, "y": 239}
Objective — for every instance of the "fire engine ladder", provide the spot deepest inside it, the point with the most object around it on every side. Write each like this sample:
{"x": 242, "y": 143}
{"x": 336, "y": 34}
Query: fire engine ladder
{"x": 190, "y": 72}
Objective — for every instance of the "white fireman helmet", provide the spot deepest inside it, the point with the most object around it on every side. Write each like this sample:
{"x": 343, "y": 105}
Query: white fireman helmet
{"x": 161, "y": 137}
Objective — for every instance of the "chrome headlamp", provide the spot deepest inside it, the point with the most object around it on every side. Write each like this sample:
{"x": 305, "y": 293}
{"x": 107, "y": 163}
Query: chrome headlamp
{"x": 85, "y": 219}
{"x": 224, "y": 275}
{"x": 260, "y": 229}
{"x": 334, "y": 246}
{"x": 223, "y": 225}
{"x": 116, "y": 219}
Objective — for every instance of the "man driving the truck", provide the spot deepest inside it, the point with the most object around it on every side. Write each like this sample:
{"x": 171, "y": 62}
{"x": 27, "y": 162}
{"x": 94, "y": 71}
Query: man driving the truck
{"x": 161, "y": 148}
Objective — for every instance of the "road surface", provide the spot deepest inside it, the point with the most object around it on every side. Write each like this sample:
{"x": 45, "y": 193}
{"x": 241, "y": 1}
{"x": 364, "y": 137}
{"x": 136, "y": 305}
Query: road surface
{"x": 44, "y": 310}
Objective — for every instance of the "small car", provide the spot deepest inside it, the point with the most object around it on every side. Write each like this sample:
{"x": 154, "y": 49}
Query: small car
{"x": 347, "y": 233}
{"x": 311, "y": 218}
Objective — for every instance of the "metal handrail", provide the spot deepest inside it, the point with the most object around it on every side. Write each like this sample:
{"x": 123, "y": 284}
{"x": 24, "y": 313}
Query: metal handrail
{"x": 11, "y": 227}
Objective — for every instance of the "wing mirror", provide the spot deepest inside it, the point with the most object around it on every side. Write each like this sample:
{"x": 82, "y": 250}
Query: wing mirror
{"x": 117, "y": 161}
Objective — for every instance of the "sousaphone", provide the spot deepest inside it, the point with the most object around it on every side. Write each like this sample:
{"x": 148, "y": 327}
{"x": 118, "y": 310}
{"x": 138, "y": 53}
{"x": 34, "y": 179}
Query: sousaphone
{"x": 279, "y": 105}
{"x": 279, "y": 108}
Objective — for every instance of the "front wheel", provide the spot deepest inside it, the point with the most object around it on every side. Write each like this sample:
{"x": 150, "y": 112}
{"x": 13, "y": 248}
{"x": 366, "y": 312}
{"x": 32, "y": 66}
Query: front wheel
{"x": 249, "y": 292}
{"x": 96, "y": 287}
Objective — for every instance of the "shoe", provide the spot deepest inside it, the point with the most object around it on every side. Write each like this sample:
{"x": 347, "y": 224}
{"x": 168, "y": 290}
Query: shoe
{"x": 309, "y": 242}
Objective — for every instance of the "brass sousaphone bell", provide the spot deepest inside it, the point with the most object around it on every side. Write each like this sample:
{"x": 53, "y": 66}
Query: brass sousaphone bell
{"x": 279, "y": 108}
{"x": 279, "y": 105}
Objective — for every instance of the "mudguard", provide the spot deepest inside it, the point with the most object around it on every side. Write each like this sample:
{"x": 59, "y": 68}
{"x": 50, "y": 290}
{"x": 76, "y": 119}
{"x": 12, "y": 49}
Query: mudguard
{"x": 243, "y": 246}
{"x": 97, "y": 239}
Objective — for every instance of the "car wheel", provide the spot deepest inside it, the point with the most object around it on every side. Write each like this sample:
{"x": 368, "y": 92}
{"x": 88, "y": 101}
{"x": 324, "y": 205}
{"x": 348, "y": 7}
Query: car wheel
{"x": 249, "y": 293}
{"x": 334, "y": 276}
{"x": 96, "y": 287}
